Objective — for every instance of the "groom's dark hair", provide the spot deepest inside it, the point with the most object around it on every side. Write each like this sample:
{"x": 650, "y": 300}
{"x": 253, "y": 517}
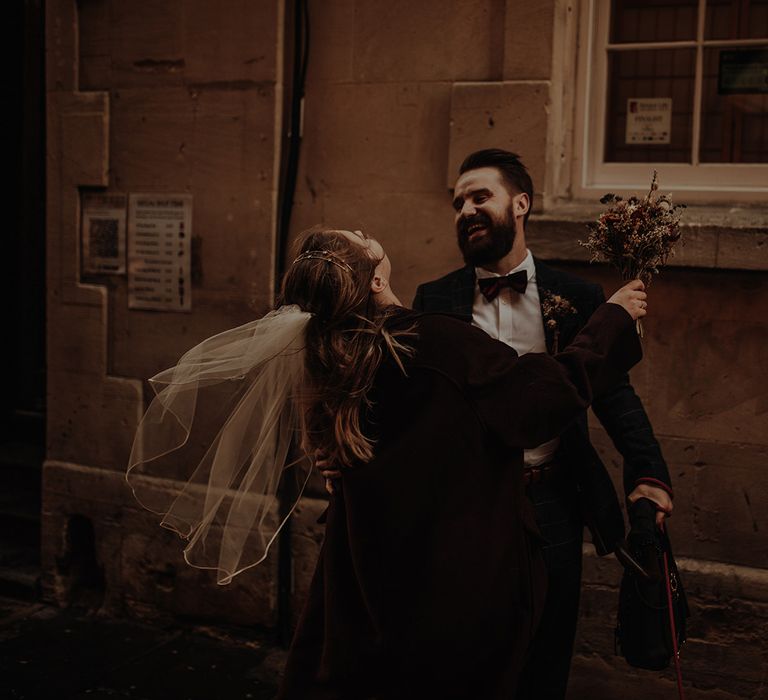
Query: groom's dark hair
{"x": 510, "y": 166}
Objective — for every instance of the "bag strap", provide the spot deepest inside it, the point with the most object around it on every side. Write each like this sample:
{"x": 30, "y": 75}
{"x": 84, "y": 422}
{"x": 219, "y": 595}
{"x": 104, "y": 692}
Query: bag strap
{"x": 676, "y": 656}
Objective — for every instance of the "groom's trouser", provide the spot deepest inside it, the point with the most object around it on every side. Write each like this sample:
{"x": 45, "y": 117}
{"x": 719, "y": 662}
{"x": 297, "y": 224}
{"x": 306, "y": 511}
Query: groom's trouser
{"x": 545, "y": 674}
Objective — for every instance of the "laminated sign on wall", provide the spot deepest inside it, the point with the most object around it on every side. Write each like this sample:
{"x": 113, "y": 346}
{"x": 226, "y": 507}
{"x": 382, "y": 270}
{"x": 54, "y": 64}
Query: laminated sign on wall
{"x": 159, "y": 251}
{"x": 103, "y": 233}
{"x": 649, "y": 120}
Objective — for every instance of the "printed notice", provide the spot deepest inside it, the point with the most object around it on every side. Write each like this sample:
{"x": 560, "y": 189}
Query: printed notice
{"x": 649, "y": 120}
{"x": 159, "y": 251}
{"x": 103, "y": 234}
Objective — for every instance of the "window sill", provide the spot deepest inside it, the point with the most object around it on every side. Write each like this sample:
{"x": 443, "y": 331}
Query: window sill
{"x": 723, "y": 238}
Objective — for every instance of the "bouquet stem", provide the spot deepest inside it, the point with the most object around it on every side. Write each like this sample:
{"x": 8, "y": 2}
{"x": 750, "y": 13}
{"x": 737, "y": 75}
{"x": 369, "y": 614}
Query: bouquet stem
{"x": 628, "y": 276}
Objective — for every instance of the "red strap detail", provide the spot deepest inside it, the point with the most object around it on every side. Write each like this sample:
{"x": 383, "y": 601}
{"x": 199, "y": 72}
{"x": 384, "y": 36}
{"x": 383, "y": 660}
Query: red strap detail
{"x": 678, "y": 672}
{"x": 655, "y": 482}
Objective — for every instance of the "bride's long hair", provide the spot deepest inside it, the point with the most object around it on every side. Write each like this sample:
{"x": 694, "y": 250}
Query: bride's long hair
{"x": 347, "y": 340}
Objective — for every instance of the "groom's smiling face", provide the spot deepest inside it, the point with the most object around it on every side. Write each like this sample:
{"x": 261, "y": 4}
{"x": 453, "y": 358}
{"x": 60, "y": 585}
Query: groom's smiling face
{"x": 485, "y": 221}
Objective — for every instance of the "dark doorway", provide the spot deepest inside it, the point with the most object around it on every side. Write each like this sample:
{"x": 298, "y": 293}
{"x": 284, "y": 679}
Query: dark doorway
{"x": 22, "y": 440}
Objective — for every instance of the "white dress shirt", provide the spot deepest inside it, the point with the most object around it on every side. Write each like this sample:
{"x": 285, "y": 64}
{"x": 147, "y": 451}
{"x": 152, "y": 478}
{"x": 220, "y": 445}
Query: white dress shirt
{"x": 515, "y": 319}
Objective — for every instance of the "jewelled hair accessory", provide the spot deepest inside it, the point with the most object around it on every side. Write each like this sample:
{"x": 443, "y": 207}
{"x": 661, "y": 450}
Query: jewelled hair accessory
{"x": 327, "y": 255}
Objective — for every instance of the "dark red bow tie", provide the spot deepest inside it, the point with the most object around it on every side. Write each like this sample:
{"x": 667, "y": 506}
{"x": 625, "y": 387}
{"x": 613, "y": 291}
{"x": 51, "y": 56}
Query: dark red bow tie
{"x": 491, "y": 286}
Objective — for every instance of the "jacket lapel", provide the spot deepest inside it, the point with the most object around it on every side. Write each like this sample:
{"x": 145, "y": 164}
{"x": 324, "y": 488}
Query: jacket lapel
{"x": 551, "y": 281}
{"x": 546, "y": 281}
{"x": 463, "y": 293}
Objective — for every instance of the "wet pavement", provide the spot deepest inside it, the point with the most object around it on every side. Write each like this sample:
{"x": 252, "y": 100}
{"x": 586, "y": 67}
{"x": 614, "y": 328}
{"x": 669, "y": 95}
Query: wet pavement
{"x": 46, "y": 652}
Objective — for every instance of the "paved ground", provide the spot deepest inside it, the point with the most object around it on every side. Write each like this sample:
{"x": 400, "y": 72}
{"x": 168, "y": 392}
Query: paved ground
{"x": 46, "y": 652}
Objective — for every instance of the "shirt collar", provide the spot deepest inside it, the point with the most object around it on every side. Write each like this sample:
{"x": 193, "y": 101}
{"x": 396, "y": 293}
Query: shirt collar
{"x": 528, "y": 265}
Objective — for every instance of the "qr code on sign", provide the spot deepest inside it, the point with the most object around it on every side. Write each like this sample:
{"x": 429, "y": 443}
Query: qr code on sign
{"x": 102, "y": 238}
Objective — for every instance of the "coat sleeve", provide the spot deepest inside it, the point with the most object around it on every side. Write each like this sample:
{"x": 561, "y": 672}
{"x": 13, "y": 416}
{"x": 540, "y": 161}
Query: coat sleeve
{"x": 621, "y": 413}
{"x": 525, "y": 401}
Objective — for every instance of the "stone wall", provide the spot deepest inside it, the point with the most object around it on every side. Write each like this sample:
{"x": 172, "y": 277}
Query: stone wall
{"x": 149, "y": 97}
{"x": 184, "y": 98}
{"x": 397, "y": 94}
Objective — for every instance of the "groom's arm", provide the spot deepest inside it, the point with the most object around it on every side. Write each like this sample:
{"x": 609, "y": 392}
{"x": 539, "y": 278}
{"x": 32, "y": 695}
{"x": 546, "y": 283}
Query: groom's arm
{"x": 624, "y": 418}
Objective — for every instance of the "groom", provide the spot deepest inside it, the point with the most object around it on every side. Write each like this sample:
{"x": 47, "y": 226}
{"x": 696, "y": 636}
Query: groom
{"x": 501, "y": 290}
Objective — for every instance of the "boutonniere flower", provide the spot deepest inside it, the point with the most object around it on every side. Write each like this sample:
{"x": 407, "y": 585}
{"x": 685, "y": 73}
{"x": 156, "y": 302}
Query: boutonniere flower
{"x": 555, "y": 308}
{"x": 636, "y": 236}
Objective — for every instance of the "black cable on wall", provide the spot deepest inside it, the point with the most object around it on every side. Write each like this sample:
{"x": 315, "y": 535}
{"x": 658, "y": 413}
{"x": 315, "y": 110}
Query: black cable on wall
{"x": 289, "y": 167}
{"x": 292, "y": 138}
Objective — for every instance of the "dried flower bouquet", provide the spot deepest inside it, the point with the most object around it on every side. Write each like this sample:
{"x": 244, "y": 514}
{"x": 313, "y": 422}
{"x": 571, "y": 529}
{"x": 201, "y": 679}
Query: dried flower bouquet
{"x": 636, "y": 236}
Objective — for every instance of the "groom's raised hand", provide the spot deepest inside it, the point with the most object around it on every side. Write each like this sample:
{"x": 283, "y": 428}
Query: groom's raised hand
{"x": 632, "y": 297}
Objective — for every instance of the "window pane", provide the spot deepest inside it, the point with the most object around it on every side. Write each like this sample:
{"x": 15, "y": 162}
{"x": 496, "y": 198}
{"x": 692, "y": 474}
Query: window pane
{"x": 653, "y": 20}
{"x": 734, "y": 117}
{"x": 663, "y": 74}
{"x": 736, "y": 19}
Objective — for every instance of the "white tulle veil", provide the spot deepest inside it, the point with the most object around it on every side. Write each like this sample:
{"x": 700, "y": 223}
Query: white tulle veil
{"x": 218, "y": 436}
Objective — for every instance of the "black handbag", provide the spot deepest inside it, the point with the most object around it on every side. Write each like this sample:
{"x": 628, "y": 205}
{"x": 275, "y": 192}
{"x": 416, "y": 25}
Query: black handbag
{"x": 652, "y": 605}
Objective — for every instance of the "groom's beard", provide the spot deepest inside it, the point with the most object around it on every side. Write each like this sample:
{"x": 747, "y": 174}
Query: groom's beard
{"x": 491, "y": 245}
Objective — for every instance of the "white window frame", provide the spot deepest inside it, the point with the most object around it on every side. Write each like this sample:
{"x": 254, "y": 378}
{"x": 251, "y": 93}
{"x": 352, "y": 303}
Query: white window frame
{"x": 591, "y": 175}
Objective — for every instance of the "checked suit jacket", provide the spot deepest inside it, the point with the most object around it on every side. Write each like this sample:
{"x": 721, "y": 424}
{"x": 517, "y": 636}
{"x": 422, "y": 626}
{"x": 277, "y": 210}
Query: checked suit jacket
{"x": 619, "y": 410}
